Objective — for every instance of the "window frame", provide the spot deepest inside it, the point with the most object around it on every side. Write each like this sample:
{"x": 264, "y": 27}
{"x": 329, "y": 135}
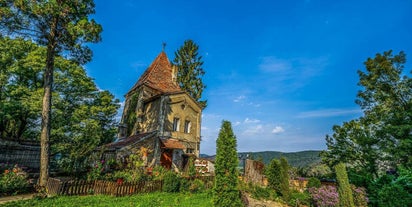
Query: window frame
{"x": 187, "y": 126}
{"x": 176, "y": 124}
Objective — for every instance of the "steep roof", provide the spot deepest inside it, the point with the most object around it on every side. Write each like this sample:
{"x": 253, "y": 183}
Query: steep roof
{"x": 159, "y": 75}
{"x": 129, "y": 140}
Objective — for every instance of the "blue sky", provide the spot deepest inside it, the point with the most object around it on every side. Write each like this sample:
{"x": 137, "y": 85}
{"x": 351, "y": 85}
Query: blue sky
{"x": 283, "y": 72}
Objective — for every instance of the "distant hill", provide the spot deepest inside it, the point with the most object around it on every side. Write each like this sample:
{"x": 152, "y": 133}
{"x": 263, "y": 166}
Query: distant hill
{"x": 295, "y": 159}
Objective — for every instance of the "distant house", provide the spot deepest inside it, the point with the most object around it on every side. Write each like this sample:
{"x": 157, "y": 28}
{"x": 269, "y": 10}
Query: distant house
{"x": 159, "y": 120}
{"x": 204, "y": 166}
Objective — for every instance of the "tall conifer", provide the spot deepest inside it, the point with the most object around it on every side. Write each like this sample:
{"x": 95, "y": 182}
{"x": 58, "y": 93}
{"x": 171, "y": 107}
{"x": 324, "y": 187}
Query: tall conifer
{"x": 225, "y": 191}
{"x": 344, "y": 190}
{"x": 190, "y": 72}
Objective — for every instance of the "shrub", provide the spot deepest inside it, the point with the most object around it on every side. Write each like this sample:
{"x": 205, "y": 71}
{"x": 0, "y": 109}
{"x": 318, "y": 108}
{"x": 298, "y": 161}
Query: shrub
{"x": 171, "y": 182}
{"x": 184, "y": 185}
{"x": 359, "y": 196}
{"x": 259, "y": 192}
{"x": 394, "y": 195}
{"x": 13, "y": 181}
{"x": 96, "y": 172}
{"x": 196, "y": 186}
{"x": 298, "y": 199}
{"x": 325, "y": 196}
{"x": 313, "y": 183}
{"x": 159, "y": 172}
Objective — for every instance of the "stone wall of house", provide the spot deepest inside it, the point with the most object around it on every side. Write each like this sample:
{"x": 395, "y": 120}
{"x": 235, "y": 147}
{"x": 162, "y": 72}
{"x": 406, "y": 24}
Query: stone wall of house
{"x": 26, "y": 155}
{"x": 184, "y": 108}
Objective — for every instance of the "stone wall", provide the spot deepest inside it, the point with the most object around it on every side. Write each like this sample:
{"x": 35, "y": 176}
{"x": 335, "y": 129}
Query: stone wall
{"x": 254, "y": 172}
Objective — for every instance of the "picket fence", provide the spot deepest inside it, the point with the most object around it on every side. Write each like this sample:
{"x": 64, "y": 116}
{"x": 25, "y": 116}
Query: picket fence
{"x": 83, "y": 187}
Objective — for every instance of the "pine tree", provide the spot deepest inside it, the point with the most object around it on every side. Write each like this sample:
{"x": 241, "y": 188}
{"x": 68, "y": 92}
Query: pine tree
{"x": 190, "y": 71}
{"x": 344, "y": 190}
{"x": 225, "y": 191}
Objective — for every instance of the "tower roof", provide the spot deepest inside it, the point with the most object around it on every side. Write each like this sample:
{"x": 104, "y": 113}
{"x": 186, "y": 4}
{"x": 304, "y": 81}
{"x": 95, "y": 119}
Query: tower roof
{"x": 159, "y": 75}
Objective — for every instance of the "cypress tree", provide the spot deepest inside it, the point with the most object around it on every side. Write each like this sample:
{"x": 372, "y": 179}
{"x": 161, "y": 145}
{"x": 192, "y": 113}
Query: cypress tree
{"x": 284, "y": 182}
{"x": 225, "y": 191}
{"x": 344, "y": 190}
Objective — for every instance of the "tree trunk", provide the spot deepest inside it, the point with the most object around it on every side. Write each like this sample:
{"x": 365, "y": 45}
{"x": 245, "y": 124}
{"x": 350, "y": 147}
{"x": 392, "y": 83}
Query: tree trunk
{"x": 46, "y": 109}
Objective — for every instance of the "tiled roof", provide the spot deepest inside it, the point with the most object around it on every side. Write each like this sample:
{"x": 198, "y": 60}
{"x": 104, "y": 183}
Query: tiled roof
{"x": 172, "y": 144}
{"x": 159, "y": 75}
{"x": 120, "y": 143}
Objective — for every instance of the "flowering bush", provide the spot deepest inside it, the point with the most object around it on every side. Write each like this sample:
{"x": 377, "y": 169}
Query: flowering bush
{"x": 95, "y": 173}
{"x": 325, "y": 196}
{"x": 158, "y": 172}
{"x": 13, "y": 181}
{"x": 359, "y": 196}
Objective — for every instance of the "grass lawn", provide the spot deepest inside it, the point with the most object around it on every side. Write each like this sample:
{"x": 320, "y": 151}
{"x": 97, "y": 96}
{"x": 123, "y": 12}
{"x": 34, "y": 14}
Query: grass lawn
{"x": 139, "y": 200}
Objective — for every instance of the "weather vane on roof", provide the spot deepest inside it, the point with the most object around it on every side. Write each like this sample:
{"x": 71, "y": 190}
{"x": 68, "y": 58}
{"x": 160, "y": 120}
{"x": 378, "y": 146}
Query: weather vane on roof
{"x": 163, "y": 46}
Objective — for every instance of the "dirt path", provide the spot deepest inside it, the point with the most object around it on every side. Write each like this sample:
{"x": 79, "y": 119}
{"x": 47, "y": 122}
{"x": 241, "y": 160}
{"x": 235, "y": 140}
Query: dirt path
{"x": 6, "y": 199}
{"x": 261, "y": 203}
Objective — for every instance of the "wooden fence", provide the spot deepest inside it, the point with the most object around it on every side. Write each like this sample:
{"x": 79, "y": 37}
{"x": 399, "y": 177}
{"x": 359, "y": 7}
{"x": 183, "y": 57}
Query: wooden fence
{"x": 83, "y": 187}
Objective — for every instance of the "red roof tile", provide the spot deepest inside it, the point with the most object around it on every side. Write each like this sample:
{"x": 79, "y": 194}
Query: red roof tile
{"x": 159, "y": 75}
{"x": 172, "y": 144}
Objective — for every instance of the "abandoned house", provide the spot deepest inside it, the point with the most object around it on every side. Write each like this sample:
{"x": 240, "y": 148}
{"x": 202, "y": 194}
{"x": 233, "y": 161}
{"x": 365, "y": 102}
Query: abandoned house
{"x": 159, "y": 121}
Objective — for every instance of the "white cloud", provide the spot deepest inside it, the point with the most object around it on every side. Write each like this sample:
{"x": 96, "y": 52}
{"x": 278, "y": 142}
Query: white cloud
{"x": 237, "y": 123}
{"x": 328, "y": 113}
{"x": 277, "y": 130}
{"x": 273, "y": 64}
{"x": 254, "y": 130}
{"x": 239, "y": 98}
{"x": 251, "y": 121}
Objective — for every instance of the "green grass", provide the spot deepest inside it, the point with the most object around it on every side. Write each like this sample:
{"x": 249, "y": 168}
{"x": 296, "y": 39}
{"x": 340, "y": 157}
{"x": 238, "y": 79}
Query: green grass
{"x": 140, "y": 200}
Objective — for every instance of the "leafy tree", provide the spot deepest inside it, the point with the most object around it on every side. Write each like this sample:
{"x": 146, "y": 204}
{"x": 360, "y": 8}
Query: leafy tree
{"x": 382, "y": 138}
{"x": 225, "y": 191}
{"x": 62, "y": 27}
{"x": 318, "y": 170}
{"x": 190, "y": 71}
{"x": 387, "y": 103}
{"x": 20, "y": 88}
{"x": 83, "y": 115}
{"x": 344, "y": 189}
{"x": 354, "y": 143}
